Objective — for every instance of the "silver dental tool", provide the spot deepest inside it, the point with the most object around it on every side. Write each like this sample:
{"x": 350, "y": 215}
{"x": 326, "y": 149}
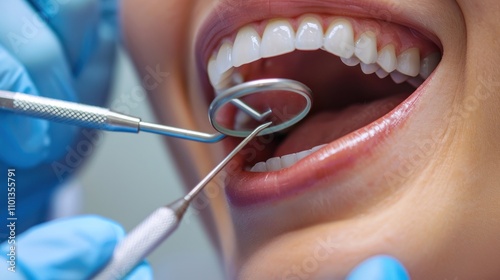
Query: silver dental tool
{"x": 105, "y": 119}
{"x": 160, "y": 224}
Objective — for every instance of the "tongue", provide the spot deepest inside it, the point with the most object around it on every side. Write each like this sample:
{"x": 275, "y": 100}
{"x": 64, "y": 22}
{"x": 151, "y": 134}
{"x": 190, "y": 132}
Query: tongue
{"x": 327, "y": 126}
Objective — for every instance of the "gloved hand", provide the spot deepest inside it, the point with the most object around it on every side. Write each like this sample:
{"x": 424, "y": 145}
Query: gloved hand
{"x": 73, "y": 248}
{"x": 379, "y": 268}
{"x": 57, "y": 49}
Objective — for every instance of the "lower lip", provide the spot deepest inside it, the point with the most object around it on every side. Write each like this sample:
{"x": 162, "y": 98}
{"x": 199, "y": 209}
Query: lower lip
{"x": 244, "y": 188}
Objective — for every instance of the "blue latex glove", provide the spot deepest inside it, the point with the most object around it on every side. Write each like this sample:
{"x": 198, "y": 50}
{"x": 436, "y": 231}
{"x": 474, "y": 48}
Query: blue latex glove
{"x": 74, "y": 248}
{"x": 379, "y": 268}
{"x": 59, "y": 49}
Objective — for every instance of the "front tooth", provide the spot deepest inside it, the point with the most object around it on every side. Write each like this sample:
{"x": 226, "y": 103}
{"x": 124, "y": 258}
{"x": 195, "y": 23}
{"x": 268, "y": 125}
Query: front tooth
{"x": 273, "y": 164}
{"x": 352, "y": 61}
{"x": 387, "y": 58}
{"x": 429, "y": 64}
{"x": 278, "y": 39}
{"x": 246, "y": 46}
{"x": 369, "y": 68}
{"x": 259, "y": 167}
{"x": 366, "y": 48}
{"x": 309, "y": 35}
{"x": 288, "y": 160}
{"x": 409, "y": 62}
{"x": 398, "y": 78}
{"x": 224, "y": 58}
{"x": 339, "y": 38}
{"x": 213, "y": 74}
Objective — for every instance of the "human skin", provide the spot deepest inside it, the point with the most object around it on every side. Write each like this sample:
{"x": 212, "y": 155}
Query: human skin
{"x": 441, "y": 218}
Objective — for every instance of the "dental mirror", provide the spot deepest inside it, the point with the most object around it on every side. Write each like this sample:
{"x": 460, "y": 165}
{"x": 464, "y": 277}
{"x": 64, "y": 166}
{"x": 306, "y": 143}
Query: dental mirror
{"x": 238, "y": 110}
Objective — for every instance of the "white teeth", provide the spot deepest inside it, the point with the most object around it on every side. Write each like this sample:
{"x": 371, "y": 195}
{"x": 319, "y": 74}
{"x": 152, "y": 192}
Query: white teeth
{"x": 246, "y": 46}
{"x": 259, "y": 167}
{"x": 366, "y": 48}
{"x": 398, "y": 78}
{"x": 288, "y": 160}
{"x": 369, "y": 68}
{"x": 387, "y": 58}
{"x": 273, "y": 164}
{"x": 352, "y": 61}
{"x": 213, "y": 73}
{"x": 409, "y": 62}
{"x": 429, "y": 64}
{"x": 339, "y": 38}
{"x": 224, "y": 58}
{"x": 278, "y": 39}
{"x": 381, "y": 73}
{"x": 278, "y": 163}
{"x": 309, "y": 34}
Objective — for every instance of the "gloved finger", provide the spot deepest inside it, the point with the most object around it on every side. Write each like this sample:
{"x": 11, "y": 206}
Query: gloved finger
{"x": 72, "y": 248}
{"x": 142, "y": 272}
{"x": 75, "y": 23}
{"x": 379, "y": 268}
{"x": 24, "y": 141}
{"x": 36, "y": 47}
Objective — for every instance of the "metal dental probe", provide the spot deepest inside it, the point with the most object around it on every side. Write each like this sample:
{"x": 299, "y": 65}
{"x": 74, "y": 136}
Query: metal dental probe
{"x": 101, "y": 118}
{"x": 160, "y": 224}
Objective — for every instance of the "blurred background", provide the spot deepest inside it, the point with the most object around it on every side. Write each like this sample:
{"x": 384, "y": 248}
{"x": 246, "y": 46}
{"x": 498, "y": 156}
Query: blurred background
{"x": 130, "y": 175}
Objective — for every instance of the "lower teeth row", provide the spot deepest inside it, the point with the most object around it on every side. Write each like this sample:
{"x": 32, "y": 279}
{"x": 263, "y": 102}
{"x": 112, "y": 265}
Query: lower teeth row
{"x": 278, "y": 163}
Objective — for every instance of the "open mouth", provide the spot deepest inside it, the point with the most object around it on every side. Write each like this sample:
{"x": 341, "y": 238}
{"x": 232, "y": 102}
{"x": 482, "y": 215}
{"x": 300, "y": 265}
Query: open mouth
{"x": 365, "y": 75}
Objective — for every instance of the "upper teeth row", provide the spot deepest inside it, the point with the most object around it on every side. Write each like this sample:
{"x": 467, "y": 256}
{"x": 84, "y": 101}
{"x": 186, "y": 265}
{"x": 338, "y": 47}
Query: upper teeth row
{"x": 279, "y": 38}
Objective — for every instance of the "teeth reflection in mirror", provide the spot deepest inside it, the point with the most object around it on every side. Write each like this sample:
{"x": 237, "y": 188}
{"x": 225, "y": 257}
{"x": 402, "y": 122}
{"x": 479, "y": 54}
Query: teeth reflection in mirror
{"x": 309, "y": 34}
{"x": 352, "y": 61}
{"x": 369, "y": 68}
{"x": 278, "y": 38}
{"x": 428, "y": 64}
{"x": 398, "y": 78}
{"x": 409, "y": 62}
{"x": 224, "y": 57}
{"x": 387, "y": 58}
{"x": 246, "y": 47}
{"x": 366, "y": 48}
{"x": 339, "y": 38}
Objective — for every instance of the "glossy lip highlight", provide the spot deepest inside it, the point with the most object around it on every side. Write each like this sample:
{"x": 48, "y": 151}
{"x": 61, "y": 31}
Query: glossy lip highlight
{"x": 247, "y": 188}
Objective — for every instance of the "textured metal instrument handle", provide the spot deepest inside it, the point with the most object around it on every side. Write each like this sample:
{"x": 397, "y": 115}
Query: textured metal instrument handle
{"x": 143, "y": 239}
{"x": 67, "y": 112}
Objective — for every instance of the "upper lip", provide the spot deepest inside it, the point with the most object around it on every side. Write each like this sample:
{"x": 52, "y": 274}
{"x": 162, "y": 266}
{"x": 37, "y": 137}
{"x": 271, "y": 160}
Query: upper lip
{"x": 229, "y": 16}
